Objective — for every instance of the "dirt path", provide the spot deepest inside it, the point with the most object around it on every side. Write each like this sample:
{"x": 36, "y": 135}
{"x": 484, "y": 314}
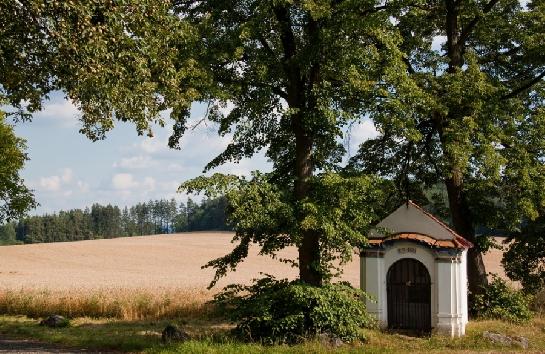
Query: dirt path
{"x": 25, "y": 346}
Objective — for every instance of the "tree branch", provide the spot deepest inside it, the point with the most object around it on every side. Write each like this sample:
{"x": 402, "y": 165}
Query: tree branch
{"x": 471, "y": 25}
{"x": 266, "y": 45}
{"x": 524, "y": 87}
{"x": 410, "y": 68}
{"x": 276, "y": 90}
{"x": 286, "y": 34}
{"x": 292, "y": 70}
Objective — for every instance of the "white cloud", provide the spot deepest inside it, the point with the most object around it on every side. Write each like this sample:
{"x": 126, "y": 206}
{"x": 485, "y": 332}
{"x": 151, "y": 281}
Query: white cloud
{"x": 67, "y": 175}
{"x": 124, "y": 181}
{"x": 57, "y": 182}
{"x": 229, "y": 106}
{"x": 359, "y": 133}
{"x": 135, "y": 162}
{"x": 51, "y": 183}
{"x": 169, "y": 186}
{"x": 437, "y": 42}
{"x": 83, "y": 186}
{"x": 153, "y": 145}
{"x": 175, "y": 167}
{"x": 63, "y": 112}
{"x": 124, "y": 169}
{"x": 149, "y": 184}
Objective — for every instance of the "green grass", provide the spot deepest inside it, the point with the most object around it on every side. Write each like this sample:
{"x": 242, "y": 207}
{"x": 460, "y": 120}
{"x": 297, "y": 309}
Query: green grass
{"x": 211, "y": 336}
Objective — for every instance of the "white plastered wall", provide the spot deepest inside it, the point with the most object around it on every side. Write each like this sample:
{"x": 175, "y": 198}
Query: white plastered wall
{"x": 448, "y": 277}
{"x": 452, "y": 314}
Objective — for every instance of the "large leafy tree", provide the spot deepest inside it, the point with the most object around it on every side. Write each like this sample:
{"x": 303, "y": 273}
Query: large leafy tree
{"x": 15, "y": 198}
{"x": 24, "y": 80}
{"x": 27, "y": 58}
{"x": 473, "y": 121}
{"x": 296, "y": 73}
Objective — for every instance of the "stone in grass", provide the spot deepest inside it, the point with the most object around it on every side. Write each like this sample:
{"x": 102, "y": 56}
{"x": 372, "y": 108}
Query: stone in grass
{"x": 55, "y": 321}
{"x": 330, "y": 340}
{"x": 171, "y": 333}
{"x": 520, "y": 341}
{"x": 502, "y": 339}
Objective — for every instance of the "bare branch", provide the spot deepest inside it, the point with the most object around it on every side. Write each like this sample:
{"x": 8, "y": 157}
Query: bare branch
{"x": 525, "y": 87}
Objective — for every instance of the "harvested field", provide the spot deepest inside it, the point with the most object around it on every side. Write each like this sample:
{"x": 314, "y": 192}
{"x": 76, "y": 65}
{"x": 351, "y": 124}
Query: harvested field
{"x": 145, "y": 262}
{"x": 133, "y": 278}
{"x": 492, "y": 262}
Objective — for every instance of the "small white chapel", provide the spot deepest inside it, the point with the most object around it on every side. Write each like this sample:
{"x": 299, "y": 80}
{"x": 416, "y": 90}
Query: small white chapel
{"x": 415, "y": 269}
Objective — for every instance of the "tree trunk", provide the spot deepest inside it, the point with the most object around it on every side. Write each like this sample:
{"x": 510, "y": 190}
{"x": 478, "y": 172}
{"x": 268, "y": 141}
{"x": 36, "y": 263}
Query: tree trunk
{"x": 463, "y": 224}
{"x": 309, "y": 249}
{"x": 459, "y": 210}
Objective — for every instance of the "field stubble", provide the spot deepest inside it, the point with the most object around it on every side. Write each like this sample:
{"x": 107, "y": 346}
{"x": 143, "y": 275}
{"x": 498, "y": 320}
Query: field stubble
{"x": 118, "y": 303}
{"x": 130, "y": 278}
{"x": 133, "y": 278}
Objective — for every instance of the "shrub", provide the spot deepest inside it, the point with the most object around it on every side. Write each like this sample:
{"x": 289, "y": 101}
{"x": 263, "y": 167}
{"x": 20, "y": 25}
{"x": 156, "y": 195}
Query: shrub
{"x": 499, "y": 301}
{"x": 277, "y": 311}
{"x": 538, "y": 302}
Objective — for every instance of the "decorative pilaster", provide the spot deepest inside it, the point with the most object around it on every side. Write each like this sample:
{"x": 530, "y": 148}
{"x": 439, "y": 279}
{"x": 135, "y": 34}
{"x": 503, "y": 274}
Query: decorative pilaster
{"x": 450, "y": 317}
{"x": 373, "y": 280}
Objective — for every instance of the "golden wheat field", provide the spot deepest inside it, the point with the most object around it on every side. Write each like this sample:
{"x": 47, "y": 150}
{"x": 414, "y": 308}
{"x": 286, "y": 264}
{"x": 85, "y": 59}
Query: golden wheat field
{"x": 145, "y": 262}
{"x": 134, "y": 277}
{"x": 128, "y": 278}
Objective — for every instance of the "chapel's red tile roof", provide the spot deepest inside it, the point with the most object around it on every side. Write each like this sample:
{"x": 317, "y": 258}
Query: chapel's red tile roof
{"x": 457, "y": 241}
{"x": 454, "y": 243}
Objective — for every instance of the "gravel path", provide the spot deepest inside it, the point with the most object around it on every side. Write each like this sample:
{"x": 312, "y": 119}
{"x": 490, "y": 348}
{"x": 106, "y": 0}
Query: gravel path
{"x": 24, "y": 346}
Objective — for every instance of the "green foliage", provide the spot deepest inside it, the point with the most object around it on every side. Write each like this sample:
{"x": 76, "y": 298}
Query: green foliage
{"x": 15, "y": 198}
{"x": 27, "y": 60}
{"x": 470, "y": 116}
{"x": 538, "y": 302}
{"x": 7, "y": 234}
{"x": 473, "y": 111}
{"x": 277, "y": 311}
{"x": 499, "y": 301}
{"x": 129, "y": 61}
{"x": 341, "y": 209}
{"x": 108, "y": 221}
{"x": 524, "y": 260}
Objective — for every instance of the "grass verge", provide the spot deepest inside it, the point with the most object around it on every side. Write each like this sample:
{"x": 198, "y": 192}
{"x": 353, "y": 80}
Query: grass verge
{"x": 128, "y": 321}
{"x": 211, "y": 336}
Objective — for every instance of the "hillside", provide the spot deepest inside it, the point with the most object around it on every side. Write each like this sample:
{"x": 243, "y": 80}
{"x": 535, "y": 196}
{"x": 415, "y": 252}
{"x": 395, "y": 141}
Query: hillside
{"x": 169, "y": 261}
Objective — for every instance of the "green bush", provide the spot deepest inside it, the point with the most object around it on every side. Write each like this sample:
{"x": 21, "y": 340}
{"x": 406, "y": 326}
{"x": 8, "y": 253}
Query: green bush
{"x": 499, "y": 301}
{"x": 538, "y": 302}
{"x": 277, "y": 311}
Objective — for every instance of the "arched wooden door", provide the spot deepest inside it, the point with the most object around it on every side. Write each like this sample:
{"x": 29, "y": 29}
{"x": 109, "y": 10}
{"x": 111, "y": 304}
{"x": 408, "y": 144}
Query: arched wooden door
{"x": 409, "y": 296}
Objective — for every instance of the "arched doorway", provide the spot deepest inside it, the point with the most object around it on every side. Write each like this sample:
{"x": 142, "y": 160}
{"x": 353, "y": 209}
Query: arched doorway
{"x": 409, "y": 296}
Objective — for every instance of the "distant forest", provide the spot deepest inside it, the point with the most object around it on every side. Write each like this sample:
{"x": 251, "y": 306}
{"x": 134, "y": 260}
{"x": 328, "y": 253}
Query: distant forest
{"x": 99, "y": 221}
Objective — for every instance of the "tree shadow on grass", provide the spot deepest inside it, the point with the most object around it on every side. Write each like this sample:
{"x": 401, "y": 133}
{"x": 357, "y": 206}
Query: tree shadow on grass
{"x": 108, "y": 334}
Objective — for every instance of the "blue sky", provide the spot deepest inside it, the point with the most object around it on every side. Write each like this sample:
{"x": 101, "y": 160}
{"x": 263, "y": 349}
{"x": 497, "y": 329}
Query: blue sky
{"x": 66, "y": 170}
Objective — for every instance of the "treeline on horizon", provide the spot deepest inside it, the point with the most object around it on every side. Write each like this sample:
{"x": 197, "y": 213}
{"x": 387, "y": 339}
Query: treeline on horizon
{"x": 110, "y": 221}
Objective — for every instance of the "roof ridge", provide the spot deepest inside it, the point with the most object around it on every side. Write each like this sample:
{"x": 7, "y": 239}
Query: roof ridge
{"x": 437, "y": 220}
